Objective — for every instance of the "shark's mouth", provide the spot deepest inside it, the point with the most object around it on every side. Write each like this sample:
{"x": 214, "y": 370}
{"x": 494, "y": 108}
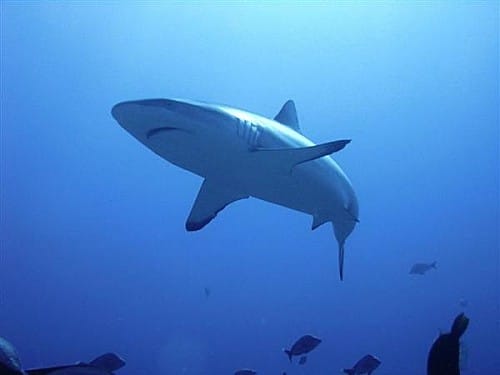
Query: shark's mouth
{"x": 156, "y": 131}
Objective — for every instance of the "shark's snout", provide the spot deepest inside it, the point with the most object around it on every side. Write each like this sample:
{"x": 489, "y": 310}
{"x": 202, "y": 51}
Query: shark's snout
{"x": 134, "y": 117}
{"x": 134, "y": 106}
{"x": 145, "y": 119}
{"x": 124, "y": 110}
{"x": 116, "y": 111}
{"x": 150, "y": 107}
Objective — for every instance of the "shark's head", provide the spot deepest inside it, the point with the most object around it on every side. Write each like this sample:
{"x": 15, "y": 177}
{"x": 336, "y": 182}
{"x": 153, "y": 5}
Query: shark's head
{"x": 179, "y": 131}
{"x": 146, "y": 118}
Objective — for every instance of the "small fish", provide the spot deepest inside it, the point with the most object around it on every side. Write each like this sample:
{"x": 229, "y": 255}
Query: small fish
{"x": 303, "y": 360}
{"x": 444, "y": 356}
{"x": 303, "y": 346}
{"x": 422, "y": 268}
{"x": 365, "y": 365}
{"x": 102, "y": 365}
{"x": 245, "y": 371}
{"x": 207, "y": 292}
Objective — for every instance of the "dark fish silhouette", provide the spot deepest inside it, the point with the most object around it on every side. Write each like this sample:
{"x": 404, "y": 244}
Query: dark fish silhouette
{"x": 245, "y": 371}
{"x": 9, "y": 360}
{"x": 444, "y": 356}
{"x": 365, "y": 365}
{"x": 5, "y": 370}
{"x": 422, "y": 268}
{"x": 102, "y": 365}
{"x": 303, "y": 360}
{"x": 207, "y": 292}
{"x": 303, "y": 346}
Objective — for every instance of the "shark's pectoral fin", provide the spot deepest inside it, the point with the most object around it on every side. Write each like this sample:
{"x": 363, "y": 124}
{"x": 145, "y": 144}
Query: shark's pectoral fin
{"x": 287, "y": 158}
{"x": 211, "y": 199}
{"x": 301, "y": 155}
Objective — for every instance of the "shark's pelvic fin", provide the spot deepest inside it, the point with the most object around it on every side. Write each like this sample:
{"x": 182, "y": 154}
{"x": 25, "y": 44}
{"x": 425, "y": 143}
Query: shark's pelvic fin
{"x": 288, "y": 116}
{"x": 318, "y": 220}
{"x": 211, "y": 199}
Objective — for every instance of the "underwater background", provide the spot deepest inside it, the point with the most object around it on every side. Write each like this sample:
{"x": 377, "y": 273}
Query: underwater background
{"x": 94, "y": 256}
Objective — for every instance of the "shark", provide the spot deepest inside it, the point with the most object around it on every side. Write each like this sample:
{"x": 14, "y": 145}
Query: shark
{"x": 240, "y": 154}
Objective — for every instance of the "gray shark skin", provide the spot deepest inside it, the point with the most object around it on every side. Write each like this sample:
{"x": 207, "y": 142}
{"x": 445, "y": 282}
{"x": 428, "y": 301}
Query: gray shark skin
{"x": 240, "y": 154}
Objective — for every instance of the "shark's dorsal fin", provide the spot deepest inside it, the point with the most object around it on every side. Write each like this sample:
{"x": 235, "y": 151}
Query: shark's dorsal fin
{"x": 288, "y": 116}
{"x": 211, "y": 199}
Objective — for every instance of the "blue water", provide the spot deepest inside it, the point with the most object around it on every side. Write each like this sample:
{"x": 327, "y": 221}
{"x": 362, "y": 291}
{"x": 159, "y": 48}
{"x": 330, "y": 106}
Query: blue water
{"x": 94, "y": 255}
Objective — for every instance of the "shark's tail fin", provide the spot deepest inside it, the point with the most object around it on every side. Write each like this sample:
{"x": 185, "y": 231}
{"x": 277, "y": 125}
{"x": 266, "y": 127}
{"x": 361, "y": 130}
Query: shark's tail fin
{"x": 342, "y": 229}
{"x": 341, "y": 260}
{"x": 288, "y": 353}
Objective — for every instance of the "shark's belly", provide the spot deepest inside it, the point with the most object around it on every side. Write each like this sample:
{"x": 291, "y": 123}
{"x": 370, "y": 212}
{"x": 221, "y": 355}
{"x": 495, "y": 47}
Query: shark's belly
{"x": 310, "y": 188}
